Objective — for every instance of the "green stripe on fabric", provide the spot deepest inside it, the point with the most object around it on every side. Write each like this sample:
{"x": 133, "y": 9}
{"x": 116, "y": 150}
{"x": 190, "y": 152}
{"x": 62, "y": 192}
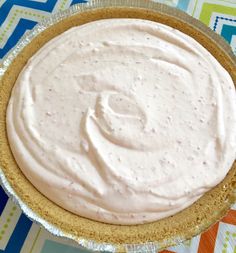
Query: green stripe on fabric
{"x": 208, "y": 9}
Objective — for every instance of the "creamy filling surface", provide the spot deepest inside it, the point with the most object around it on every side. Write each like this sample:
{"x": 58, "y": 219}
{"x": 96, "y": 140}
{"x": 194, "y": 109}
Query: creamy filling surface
{"x": 123, "y": 121}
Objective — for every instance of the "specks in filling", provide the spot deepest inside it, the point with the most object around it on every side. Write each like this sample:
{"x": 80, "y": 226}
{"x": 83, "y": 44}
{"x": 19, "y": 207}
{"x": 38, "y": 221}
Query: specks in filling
{"x": 140, "y": 117}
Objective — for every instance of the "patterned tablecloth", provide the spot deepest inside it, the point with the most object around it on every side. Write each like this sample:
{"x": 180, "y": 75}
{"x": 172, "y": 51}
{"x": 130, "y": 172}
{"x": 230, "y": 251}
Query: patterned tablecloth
{"x": 18, "y": 233}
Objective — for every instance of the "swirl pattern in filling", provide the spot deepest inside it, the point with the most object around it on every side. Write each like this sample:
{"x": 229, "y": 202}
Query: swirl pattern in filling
{"x": 123, "y": 121}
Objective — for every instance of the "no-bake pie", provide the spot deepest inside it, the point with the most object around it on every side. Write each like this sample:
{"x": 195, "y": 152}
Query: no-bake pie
{"x": 121, "y": 117}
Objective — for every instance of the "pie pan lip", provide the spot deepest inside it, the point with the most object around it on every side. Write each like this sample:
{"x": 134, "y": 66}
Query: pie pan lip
{"x": 96, "y": 244}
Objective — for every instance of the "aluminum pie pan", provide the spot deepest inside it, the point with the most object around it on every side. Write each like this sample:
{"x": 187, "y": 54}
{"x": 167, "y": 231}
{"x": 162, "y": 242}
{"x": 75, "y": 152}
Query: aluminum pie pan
{"x": 54, "y": 19}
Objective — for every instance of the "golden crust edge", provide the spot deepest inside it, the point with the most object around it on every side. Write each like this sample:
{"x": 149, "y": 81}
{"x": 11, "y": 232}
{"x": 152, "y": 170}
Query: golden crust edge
{"x": 185, "y": 224}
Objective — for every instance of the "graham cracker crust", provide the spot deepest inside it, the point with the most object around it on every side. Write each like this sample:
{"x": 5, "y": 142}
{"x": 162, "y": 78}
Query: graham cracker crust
{"x": 185, "y": 224}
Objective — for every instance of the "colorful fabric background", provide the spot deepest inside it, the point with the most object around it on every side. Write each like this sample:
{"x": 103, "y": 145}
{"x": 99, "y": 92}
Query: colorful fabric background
{"x": 18, "y": 233}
